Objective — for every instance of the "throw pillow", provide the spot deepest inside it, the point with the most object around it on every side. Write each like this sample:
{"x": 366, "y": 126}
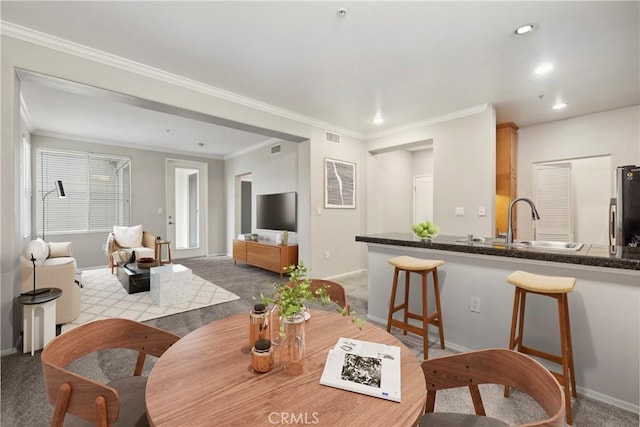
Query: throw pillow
{"x": 59, "y": 249}
{"x": 128, "y": 237}
{"x": 38, "y": 248}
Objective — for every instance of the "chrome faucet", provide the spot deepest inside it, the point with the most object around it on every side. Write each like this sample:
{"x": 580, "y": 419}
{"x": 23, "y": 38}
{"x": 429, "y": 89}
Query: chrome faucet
{"x": 534, "y": 216}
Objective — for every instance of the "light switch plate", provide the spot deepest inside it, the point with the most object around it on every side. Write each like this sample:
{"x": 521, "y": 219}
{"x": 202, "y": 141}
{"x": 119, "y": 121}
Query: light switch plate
{"x": 459, "y": 211}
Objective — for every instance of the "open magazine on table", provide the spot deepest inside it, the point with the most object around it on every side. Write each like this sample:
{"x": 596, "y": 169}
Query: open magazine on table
{"x": 364, "y": 367}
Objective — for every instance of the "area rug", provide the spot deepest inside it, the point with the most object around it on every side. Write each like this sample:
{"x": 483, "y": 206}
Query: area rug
{"x": 103, "y": 296}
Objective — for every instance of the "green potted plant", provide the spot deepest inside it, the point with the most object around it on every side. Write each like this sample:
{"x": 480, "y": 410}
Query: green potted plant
{"x": 290, "y": 299}
{"x": 288, "y": 302}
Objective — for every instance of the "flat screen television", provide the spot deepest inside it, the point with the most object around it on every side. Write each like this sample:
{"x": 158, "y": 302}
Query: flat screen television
{"x": 277, "y": 211}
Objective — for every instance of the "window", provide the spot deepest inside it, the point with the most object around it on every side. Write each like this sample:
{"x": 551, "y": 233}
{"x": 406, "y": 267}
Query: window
{"x": 552, "y": 197}
{"x": 25, "y": 193}
{"x": 97, "y": 187}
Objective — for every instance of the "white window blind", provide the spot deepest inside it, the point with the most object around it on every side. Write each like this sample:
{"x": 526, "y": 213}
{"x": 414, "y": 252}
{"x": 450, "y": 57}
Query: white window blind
{"x": 97, "y": 191}
{"x": 552, "y": 197}
{"x": 110, "y": 192}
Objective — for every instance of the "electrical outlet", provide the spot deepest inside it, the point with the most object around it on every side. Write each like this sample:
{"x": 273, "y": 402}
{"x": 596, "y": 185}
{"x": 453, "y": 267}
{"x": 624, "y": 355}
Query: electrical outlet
{"x": 459, "y": 211}
{"x": 482, "y": 211}
{"x": 474, "y": 305}
{"x": 326, "y": 255}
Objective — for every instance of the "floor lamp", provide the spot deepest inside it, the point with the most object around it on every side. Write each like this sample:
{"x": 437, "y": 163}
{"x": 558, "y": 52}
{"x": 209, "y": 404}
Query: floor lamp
{"x": 60, "y": 190}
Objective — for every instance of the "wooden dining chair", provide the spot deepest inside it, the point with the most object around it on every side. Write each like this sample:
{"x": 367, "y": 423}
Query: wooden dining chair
{"x": 90, "y": 402}
{"x": 335, "y": 291}
{"x": 491, "y": 366}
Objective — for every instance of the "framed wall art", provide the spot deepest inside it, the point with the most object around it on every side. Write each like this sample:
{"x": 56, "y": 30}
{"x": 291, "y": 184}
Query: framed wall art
{"x": 339, "y": 184}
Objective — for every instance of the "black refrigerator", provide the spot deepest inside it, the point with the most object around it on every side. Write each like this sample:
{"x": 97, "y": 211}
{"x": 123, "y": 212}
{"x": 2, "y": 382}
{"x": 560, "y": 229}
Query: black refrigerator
{"x": 624, "y": 213}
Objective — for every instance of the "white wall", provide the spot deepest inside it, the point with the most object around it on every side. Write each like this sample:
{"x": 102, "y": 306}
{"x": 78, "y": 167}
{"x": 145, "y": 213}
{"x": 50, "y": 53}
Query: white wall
{"x": 300, "y": 168}
{"x": 10, "y": 210}
{"x": 611, "y": 133}
{"x": 390, "y": 178}
{"x": 333, "y": 231}
{"x": 269, "y": 174}
{"x": 463, "y": 172}
{"x": 423, "y": 162}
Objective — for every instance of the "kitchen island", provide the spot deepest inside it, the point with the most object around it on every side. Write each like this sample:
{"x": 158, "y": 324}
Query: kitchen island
{"x": 604, "y": 306}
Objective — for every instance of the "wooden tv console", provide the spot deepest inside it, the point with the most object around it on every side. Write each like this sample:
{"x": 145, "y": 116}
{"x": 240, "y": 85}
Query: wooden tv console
{"x": 269, "y": 256}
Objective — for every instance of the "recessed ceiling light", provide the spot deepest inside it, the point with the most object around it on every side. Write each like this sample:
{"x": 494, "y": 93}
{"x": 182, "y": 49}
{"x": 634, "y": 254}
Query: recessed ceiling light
{"x": 524, "y": 29}
{"x": 544, "y": 68}
{"x": 559, "y": 105}
{"x": 378, "y": 120}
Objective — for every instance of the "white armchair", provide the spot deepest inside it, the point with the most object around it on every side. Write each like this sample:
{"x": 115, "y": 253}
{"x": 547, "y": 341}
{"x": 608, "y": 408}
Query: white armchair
{"x": 55, "y": 268}
{"x": 122, "y": 241}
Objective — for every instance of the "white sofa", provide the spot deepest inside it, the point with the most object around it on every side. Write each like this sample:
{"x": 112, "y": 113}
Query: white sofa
{"x": 55, "y": 268}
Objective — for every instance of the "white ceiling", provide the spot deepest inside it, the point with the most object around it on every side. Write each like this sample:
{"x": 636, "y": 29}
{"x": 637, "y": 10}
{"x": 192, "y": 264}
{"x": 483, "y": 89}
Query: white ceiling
{"x": 407, "y": 61}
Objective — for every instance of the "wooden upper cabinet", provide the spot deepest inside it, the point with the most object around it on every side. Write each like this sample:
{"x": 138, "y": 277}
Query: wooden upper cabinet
{"x": 506, "y": 173}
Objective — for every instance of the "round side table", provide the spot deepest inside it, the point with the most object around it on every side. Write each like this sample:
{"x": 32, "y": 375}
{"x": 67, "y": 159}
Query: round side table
{"x": 39, "y": 328}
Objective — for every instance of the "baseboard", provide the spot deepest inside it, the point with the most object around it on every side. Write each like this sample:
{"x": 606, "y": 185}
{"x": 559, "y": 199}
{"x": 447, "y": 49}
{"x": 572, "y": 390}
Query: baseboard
{"x": 336, "y": 277}
{"x": 582, "y": 392}
{"x": 218, "y": 255}
{"x": 9, "y": 351}
{"x": 627, "y": 406}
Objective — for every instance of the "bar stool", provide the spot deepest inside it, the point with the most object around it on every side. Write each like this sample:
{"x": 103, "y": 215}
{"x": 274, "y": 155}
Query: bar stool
{"x": 422, "y": 267}
{"x": 554, "y": 287}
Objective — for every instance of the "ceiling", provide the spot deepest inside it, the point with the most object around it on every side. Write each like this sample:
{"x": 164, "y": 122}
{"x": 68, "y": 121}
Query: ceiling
{"x": 408, "y": 62}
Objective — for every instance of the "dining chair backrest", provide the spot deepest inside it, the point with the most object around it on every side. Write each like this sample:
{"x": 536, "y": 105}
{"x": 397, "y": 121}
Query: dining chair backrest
{"x": 496, "y": 366}
{"x": 334, "y": 290}
{"x": 85, "y": 398}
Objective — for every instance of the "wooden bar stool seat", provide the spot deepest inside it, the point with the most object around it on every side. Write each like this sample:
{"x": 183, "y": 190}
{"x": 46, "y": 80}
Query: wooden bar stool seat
{"x": 422, "y": 267}
{"x": 553, "y": 287}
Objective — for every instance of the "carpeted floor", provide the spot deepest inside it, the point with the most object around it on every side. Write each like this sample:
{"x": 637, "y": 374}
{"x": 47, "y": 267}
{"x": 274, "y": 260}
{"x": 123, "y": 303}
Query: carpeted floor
{"x": 24, "y": 402}
{"x": 103, "y": 296}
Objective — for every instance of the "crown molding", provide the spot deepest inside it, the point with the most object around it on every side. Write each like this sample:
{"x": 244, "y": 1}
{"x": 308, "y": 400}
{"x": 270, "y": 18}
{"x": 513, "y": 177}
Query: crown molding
{"x": 52, "y": 42}
{"x": 46, "y": 40}
{"x": 432, "y": 121}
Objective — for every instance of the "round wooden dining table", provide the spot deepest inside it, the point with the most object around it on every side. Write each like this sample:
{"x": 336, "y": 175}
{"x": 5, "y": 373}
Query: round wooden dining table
{"x": 206, "y": 379}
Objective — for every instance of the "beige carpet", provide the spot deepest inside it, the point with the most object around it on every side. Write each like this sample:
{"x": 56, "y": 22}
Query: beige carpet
{"x": 103, "y": 296}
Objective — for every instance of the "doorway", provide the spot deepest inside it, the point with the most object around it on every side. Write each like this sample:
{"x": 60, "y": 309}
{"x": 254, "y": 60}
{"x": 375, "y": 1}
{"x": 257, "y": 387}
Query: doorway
{"x": 186, "y": 207}
{"x": 422, "y": 198}
{"x": 245, "y": 204}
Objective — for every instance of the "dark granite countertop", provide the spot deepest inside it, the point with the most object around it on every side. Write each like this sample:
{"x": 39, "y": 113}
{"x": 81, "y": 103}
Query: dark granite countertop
{"x": 592, "y": 255}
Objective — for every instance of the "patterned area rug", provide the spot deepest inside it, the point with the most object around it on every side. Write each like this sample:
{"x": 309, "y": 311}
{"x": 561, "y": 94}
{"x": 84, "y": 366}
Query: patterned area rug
{"x": 103, "y": 296}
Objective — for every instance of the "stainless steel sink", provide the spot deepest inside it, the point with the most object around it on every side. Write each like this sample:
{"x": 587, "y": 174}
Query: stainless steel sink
{"x": 486, "y": 240}
{"x": 547, "y": 244}
{"x": 523, "y": 244}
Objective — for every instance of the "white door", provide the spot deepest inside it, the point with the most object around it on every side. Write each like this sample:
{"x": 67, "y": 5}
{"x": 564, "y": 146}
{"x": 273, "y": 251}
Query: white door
{"x": 422, "y": 198}
{"x": 186, "y": 208}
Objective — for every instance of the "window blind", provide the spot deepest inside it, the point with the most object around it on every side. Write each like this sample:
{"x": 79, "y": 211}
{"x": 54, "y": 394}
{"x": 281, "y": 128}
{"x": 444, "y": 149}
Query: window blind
{"x": 109, "y": 192}
{"x": 552, "y": 197}
{"x": 97, "y": 191}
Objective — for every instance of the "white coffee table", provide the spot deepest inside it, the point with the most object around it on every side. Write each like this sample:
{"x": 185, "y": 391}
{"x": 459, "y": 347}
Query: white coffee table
{"x": 170, "y": 284}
